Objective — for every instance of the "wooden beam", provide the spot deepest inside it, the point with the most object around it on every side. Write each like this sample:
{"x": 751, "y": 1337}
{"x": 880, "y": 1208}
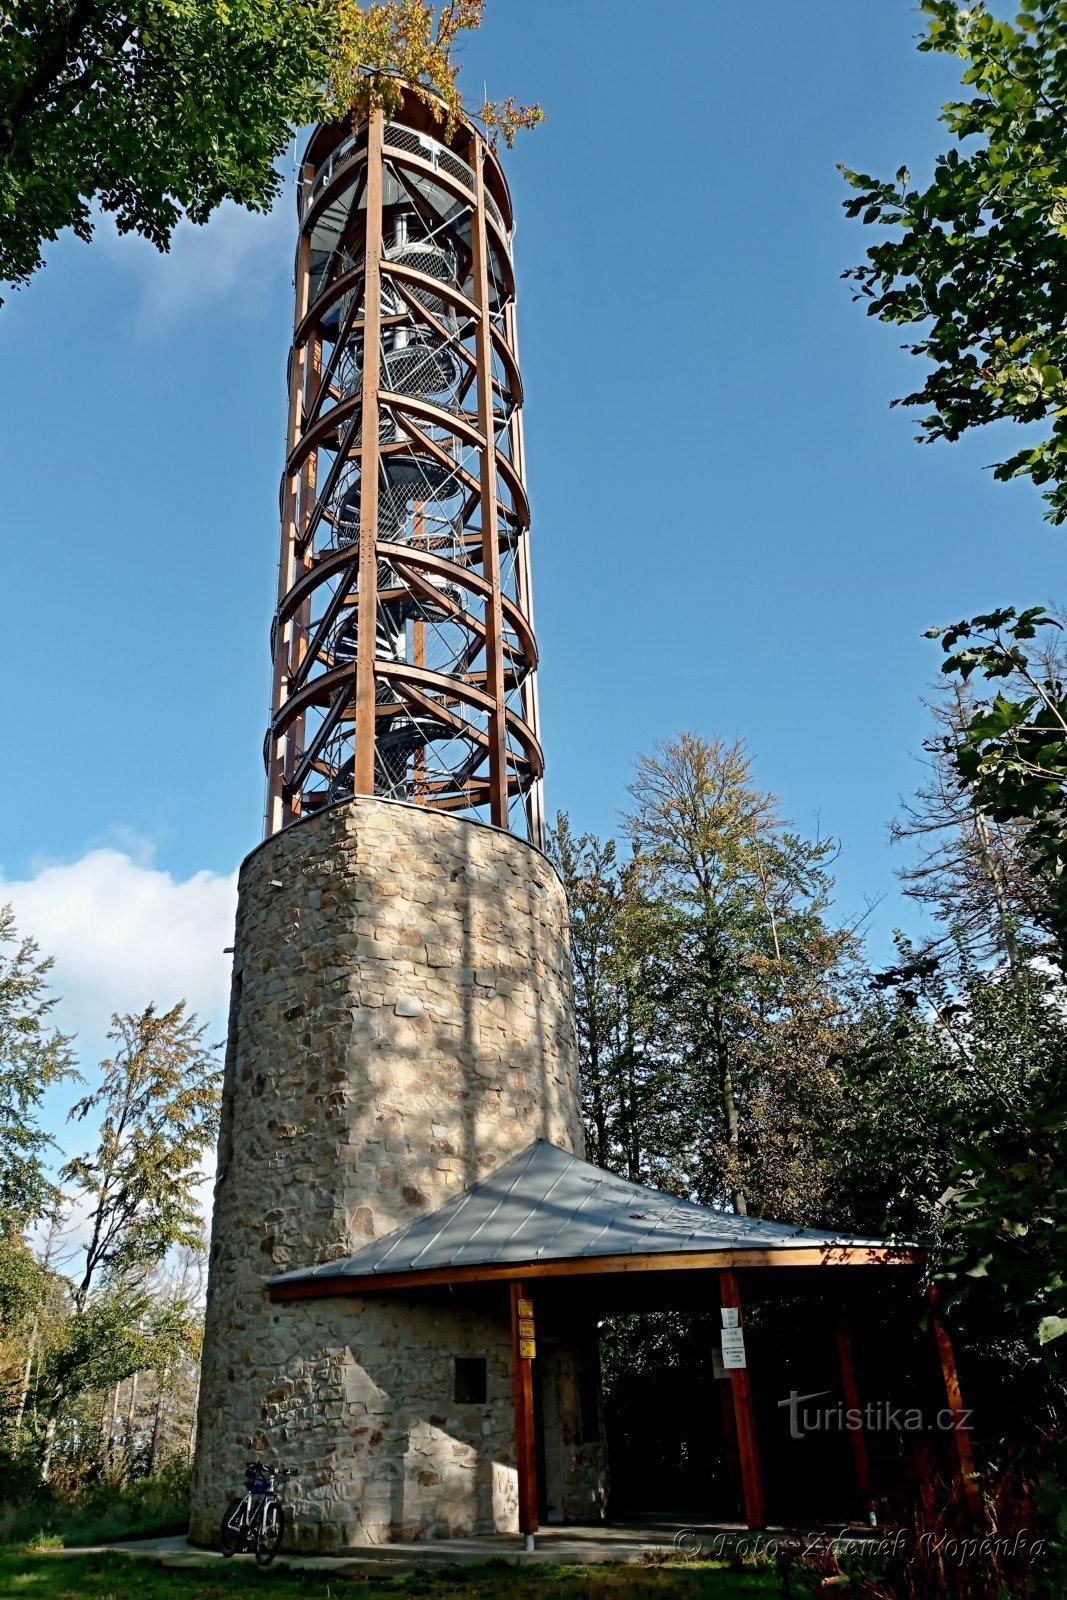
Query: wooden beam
{"x": 857, "y": 1437}
{"x": 525, "y": 1435}
{"x": 278, "y": 813}
{"x": 494, "y": 656}
{"x": 744, "y": 1415}
{"x": 959, "y": 1434}
{"x": 523, "y": 585}
{"x": 594, "y": 1266}
{"x": 367, "y": 608}
{"x": 729, "y": 1439}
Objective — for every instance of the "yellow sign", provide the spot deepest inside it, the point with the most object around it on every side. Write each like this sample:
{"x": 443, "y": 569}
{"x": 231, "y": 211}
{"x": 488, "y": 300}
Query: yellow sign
{"x": 527, "y": 1349}
{"x": 526, "y": 1327}
{"x": 525, "y": 1308}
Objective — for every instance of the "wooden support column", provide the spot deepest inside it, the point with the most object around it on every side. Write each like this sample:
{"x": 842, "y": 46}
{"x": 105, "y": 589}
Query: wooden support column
{"x": 531, "y": 709}
{"x": 300, "y": 623}
{"x": 525, "y": 1438}
{"x": 857, "y": 1437}
{"x": 744, "y": 1415}
{"x": 278, "y": 812}
{"x": 729, "y": 1439}
{"x": 494, "y": 644}
{"x": 367, "y": 603}
{"x": 959, "y": 1435}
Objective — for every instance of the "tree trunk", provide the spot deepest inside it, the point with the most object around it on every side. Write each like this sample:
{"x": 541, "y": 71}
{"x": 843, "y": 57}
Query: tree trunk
{"x": 24, "y": 1390}
{"x": 107, "y": 1428}
{"x": 596, "y": 1094}
{"x": 49, "y": 1442}
{"x": 113, "y": 1429}
{"x": 190, "y": 1452}
{"x": 157, "y": 1422}
{"x": 1004, "y": 918}
{"x": 738, "y": 1198}
{"x": 127, "y": 1442}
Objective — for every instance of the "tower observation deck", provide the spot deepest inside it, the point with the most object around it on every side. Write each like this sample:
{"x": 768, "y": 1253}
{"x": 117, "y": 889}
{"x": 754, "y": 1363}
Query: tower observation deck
{"x": 403, "y": 644}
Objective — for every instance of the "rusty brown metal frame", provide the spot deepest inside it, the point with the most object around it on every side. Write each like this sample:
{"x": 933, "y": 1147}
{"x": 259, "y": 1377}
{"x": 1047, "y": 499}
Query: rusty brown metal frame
{"x": 488, "y": 696}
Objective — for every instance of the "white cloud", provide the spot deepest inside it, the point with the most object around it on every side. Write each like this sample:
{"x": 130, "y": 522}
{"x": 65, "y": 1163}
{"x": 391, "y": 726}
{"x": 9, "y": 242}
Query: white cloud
{"x": 125, "y": 934}
{"x": 236, "y": 259}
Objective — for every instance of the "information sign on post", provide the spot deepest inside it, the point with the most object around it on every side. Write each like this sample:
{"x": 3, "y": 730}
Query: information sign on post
{"x": 733, "y": 1348}
{"x": 527, "y": 1331}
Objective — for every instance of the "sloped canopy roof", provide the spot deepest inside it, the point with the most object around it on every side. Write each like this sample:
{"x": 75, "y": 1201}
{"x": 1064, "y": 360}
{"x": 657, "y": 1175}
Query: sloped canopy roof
{"x": 545, "y": 1206}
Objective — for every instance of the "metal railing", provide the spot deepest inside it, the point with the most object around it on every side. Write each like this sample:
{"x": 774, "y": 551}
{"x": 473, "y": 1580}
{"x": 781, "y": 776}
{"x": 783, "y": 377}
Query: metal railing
{"x": 405, "y": 141}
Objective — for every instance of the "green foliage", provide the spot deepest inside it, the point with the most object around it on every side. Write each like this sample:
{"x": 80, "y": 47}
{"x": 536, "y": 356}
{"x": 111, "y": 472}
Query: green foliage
{"x": 151, "y": 110}
{"x": 118, "y": 1333}
{"x": 374, "y": 49}
{"x": 155, "y": 110}
{"x": 1011, "y": 751}
{"x": 77, "y": 1340}
{"x": 711, "y": 988}
{"x": 45, "y": 1518}
{"x": 622, "y": 940}
{"x": 159, "y": 1097}
{"x": 977, "y": 260}
{"x": 970, "y": 871}
{"x": 955, "y": 1128}
{"x": 757, "y": 977}
{"x": 955, "y": 1121}
{"x": 32, "y": 1057}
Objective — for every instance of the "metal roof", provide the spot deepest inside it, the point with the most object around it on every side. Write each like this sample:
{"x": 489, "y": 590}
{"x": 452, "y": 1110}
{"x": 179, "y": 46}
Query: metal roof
{"x": 547, "y": 1205}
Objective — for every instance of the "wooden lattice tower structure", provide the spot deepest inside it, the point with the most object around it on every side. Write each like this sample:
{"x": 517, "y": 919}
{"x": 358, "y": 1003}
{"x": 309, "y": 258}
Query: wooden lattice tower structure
{"x": 404, "y": 653}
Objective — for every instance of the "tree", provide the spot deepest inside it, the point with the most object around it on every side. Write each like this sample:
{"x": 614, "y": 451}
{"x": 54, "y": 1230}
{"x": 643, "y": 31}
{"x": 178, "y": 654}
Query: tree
{"x": 621, "y": 942}
{"x": 154, "y": 110}
{"x": 1010, "y": 754}
{"x": 972, "y": 871}
{"x": 159, "y": 1098}
{"x": 977, "y": 260}
{"x": 758, "y": 981}
{"x": 33, "y": 1056}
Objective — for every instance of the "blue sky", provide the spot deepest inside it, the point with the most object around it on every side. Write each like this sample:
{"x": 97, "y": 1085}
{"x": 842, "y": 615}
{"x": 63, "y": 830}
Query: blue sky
{"x": 732, "y": 531}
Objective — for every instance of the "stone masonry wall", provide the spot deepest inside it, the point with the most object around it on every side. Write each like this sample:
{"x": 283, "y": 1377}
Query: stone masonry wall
{"x": 401, "y": 1024}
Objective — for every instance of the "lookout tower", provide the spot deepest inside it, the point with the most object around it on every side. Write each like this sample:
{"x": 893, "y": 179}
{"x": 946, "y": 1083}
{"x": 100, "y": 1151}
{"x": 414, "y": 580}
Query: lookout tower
{"x": 404, "y": 654}
{"x": 401, "y": 1022}
{"x": 409, "y": 1256}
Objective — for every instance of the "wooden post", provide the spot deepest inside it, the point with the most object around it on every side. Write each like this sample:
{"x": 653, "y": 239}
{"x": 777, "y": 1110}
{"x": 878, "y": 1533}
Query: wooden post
{"x": 729, "y": 1437}
{"x": 959, "y": 1435}
{"x": 279, "y": 812}
{"x": 744, "y": 1416}
{"x": 525, "y": 1438}
{"x": 369, "y": 458}
{"x": 856, "y": 1435}
{"x": 494, "y": 646}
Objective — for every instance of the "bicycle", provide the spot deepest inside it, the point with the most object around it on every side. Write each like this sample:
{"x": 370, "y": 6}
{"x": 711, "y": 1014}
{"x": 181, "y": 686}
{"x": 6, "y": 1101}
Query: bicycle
{"x": 257, "y": 1519}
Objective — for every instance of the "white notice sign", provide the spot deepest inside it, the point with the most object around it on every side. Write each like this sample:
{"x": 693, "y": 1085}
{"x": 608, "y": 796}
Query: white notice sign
{"x": 733, "y": 1348}
{"x": 730, "y": 1316}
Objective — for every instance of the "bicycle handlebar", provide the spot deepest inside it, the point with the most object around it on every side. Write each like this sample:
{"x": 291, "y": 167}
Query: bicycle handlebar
{"x": 261, "y": 1469}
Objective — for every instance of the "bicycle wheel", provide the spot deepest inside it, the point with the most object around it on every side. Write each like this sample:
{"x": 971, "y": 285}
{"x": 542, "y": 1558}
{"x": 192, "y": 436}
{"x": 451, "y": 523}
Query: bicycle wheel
{"x": 234, "y": 1528}
{"x": 270, "y": 1533}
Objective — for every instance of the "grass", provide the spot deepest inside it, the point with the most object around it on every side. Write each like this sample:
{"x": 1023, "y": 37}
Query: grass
{"x": 51, "y": 1575}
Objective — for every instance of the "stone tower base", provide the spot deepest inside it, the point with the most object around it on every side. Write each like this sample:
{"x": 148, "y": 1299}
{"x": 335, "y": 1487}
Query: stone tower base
{"x": 401, "y": 1024}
